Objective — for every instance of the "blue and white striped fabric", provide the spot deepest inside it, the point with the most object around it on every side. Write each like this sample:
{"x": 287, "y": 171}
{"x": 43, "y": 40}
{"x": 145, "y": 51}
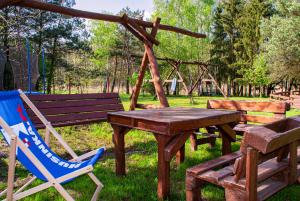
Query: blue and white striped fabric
{"x": 13, "y": 112}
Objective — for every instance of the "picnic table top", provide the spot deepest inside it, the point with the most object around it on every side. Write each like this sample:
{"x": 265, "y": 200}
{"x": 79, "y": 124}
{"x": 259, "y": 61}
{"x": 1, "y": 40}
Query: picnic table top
{"x": 171, "y": 121}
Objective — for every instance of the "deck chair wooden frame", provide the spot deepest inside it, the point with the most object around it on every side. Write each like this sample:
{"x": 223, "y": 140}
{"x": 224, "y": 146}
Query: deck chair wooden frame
{"x": 52, "y": 182}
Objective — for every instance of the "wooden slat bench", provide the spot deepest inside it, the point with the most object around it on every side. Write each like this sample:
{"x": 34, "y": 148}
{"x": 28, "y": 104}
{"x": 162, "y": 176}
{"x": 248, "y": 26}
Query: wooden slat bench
{"x": 277, "y": 108}
{"x": 74, "y": 109}
{"x": 266, "y": 163}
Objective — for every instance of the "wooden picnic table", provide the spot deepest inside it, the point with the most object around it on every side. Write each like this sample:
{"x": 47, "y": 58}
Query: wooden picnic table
{"x": 171, "y": 128}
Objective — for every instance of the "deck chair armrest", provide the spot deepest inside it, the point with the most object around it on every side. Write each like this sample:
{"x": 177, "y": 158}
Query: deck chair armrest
{"x": 215, "y": 163}
{"x": 85, "y": 156}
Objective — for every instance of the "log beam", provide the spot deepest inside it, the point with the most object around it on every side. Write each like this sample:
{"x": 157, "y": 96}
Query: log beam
{"x": 92, "y": 15}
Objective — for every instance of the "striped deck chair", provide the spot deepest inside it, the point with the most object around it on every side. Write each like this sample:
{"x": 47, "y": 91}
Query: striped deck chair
{"x": 34, "y": 153}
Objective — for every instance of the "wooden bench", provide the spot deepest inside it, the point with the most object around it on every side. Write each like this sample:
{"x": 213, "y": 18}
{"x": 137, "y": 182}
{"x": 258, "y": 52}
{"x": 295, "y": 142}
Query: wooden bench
{"x": 265, "y": 164}
{"x": 277, "y": 108}
{"x": 74, "y": 109}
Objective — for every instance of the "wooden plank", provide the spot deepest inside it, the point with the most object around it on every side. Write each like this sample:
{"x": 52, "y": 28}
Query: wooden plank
{"x": 215, "y": 177}
{"x": 65, "y": 104}
{"x": 269, "y": 187}
{"x": 148, "y": 106}
{"x": 259, "y": 118}
{"x": 56, "y": 97}
{"x": 79, "y": 109}
{"x": 225, "y": 128}
{"x": 270, "y": 168}
{"x": 39, "y": 125}
{"x": 73, "y": 117}
{"x": 214, "y": 163}
{"x": 274, "y": 107}
{"x": 175, "y": 145}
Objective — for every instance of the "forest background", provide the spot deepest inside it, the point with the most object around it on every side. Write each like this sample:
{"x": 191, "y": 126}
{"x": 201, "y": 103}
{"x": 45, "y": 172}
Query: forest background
{"x": 252, "y": 46}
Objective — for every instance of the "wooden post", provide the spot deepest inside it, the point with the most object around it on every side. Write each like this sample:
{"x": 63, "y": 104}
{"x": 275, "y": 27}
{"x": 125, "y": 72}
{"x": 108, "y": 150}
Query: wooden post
{"x": 293, "y": 162}
{"x": 11, "y": 168}
{"x": 163, "y": 167}
{"x": 156, "y": 77}
{"x": 119, "y": 141}
{"x": 136, "y": 90}
{"x": 251, "y": 174}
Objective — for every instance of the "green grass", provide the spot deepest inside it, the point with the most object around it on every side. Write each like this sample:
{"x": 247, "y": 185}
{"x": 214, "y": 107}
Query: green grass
{"x": 141, "y": 163}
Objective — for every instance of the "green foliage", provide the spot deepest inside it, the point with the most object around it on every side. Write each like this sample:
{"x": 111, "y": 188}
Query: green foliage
{"x": 189, "y": 14}
{"x": 257, "y": 75}
{"x": 225, "y": 36}
{"x": 250, "y": 34}
{"x": 103, "y": 41}
{"x": 282, "y": 33}
{"x": 236, "y": 37}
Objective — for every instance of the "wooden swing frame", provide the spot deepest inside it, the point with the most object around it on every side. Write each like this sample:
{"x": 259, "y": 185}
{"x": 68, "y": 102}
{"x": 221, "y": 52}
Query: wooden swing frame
{"x": 135, "y": 26}
{"x": 175, "y": 64}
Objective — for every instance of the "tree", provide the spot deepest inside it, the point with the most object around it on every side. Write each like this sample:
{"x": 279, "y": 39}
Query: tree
{"x": 110, "y": 41}
{"x": 282, "y": 38}
{"x": 249, "y": 22}
{"x": 55, "y": 32}
{"x": 220, "y": 56}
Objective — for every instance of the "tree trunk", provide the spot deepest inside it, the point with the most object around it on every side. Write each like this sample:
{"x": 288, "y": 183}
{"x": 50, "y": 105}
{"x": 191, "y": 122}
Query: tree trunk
{"x": 50, "y": 78}
{"x": 114, "y": 75}
{"x": 249, "y": 90}
{"x": 8, "y": 78}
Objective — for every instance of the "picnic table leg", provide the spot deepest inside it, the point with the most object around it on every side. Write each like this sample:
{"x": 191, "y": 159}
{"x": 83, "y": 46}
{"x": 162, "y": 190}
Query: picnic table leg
{"x": 228, "y": 136}
{"x": 180, "y": 155}
{"x": 163, "y": 184}
{"x": 226, "y": 144}
{"x": 118, "y": 139}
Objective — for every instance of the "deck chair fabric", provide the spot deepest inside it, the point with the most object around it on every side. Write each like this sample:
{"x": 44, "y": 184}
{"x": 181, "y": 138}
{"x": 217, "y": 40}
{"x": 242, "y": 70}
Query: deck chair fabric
{"x": 12, "y": 111}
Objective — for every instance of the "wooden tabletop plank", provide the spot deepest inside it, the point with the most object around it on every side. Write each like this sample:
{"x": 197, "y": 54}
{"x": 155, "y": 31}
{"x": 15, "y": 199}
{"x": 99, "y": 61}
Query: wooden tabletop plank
{"x": 170, "y": 121}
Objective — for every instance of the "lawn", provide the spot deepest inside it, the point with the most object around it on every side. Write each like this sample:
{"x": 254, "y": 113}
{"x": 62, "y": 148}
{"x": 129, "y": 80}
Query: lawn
{"x": 141, "y": 160}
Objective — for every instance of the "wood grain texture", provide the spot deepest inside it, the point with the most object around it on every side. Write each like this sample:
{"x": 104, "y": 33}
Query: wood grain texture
{"x": 268, "y": 163}
{"x": 74, "y": 109}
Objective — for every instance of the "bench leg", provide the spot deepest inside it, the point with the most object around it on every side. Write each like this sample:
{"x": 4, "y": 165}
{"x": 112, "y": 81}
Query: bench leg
{"x": 192, "y": 189}
{"x": 163, "y": 168}
{"x": 193, "y": 139}
{"x": 180, "y": 155}
{"x": 119, "y": 141}
{"x": 226, "y": 144}
{"x": 234, "y": 195}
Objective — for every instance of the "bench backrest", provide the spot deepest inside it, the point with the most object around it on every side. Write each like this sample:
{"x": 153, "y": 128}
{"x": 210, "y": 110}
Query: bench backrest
{"x": 277, "y": 108}
{"x": 74, "y": 109}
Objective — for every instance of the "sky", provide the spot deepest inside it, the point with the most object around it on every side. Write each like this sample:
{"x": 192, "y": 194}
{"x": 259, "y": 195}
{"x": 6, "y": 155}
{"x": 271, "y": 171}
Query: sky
{"x": 114, "y": 6}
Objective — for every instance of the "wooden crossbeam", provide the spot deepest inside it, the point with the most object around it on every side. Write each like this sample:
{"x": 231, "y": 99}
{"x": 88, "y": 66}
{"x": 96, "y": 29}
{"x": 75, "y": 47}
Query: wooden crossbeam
{"x": 140, "y": 30}
{"x": 136, "y": 34}
{"x": 148, "y": 106}
{"x": 92, "y": 15}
